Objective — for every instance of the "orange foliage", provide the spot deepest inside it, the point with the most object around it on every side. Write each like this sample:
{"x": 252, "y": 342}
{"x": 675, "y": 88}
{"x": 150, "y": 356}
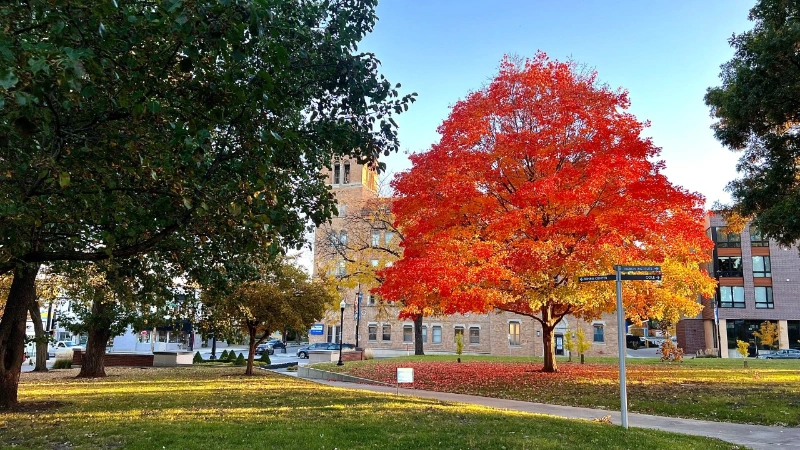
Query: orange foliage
{"x": 539, "y": 178}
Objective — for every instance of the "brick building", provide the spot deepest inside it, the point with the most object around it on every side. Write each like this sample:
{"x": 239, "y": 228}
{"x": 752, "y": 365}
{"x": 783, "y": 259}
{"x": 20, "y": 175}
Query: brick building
{"x": 361, "y": 238}
{"x": 759, "y": 281}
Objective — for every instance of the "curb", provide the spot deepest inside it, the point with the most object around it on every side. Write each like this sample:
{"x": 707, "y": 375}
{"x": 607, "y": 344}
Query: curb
{"x": 317, "y": 374}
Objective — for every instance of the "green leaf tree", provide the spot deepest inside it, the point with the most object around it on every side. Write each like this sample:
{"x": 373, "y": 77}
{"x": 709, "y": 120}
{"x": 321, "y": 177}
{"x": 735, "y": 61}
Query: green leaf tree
{"x": 283, "y": 296}
{"x": 194, "y": 128}
{"x": 758, "y": 108}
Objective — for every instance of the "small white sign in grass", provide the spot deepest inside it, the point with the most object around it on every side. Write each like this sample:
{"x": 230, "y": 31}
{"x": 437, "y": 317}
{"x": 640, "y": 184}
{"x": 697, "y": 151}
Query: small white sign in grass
{"x": 404, "y": 375}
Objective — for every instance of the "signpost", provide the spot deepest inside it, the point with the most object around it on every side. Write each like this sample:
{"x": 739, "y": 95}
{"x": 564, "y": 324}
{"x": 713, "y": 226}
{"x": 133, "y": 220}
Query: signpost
{"x": 404, "y": 375}
{"x": 618, "y": 277}
{"x": 316, "y": 329}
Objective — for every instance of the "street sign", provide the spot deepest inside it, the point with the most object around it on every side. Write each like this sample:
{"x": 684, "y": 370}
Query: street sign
{"x": 640, "y": 269}
{"x": 405, "y": 375}
{"x": 655, "y": 277}
{"x": 597, "y": 278}
{"x": 316, "y": 329}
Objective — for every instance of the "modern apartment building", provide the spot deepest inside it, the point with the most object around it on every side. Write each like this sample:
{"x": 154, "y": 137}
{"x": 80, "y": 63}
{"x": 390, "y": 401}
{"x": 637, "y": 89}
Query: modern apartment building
{"x": 361, "y": 238}
{"x": 759, "y": 281}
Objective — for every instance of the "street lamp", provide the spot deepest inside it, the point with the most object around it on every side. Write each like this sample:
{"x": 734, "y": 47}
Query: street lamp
{"x": 341, "y": 329}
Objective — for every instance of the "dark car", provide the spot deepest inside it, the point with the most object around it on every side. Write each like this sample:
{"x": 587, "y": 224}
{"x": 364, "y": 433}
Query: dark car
{"x": 261, "y": 348}
{"x": 784, "y": 354}
{"x": 303, "y": 351}
{"x": 277, "y": 343}
{"x": 633, "y": 342}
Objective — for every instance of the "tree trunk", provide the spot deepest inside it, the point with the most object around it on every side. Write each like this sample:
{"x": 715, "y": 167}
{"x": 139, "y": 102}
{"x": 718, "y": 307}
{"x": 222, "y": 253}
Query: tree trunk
{"x": 418, "y": 344}
{"x": 12, "y": 332}
{"x": 213, "y": 347}
{"x": 582, "y": 360}
{"x": 41, "y": 338}
{"x": 548, "y": 337}
{"x": 549, "y": 348}
{"x": 99, "y": 332}
{"x": 251, "y": 354}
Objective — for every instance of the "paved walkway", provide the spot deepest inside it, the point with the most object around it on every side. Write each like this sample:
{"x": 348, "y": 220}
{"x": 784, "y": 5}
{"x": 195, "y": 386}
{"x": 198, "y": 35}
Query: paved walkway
{"x": 753, "y": 436}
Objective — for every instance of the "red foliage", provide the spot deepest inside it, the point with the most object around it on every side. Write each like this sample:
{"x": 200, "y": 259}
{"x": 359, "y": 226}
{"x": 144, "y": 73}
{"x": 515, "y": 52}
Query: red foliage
{"x": 539, "y": 178}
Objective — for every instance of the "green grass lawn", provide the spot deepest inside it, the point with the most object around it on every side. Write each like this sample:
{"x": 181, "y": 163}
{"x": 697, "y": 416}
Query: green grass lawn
{"x": 206, "y": 408}
{"x": 766, "y": 393}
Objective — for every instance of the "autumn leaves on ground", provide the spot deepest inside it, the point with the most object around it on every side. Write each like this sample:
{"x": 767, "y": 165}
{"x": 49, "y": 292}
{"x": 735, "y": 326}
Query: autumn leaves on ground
{"x": 709, "y": 389}
{"x": 202, "y": 407}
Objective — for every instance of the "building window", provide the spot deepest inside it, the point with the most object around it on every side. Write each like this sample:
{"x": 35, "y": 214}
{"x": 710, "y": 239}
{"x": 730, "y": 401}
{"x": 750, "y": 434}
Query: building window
{"x": 513, "y": 333}
{"x": 388, "y": 236}
{"x": 336, "y": 174}
{"x": 374, "y": 262}
{"x": 342, "y": 209}
{"x": 599, "y": 336}
{"x": 371, "y": 301}
{"x": 346, "y": 173}
{"x": 474, "y": 335}
{"x": 764, "y": 297}
{"x": 731, "y": 297}
{"x": 729, "y": 240}
{"x": 458, "y": 330}
{"x": 333, "y": 333}
{"x": 424, "y": 333}
{"x": 387, "y": 332}
{"x": 343, "y": 237}
{"x": 757, "y": 239}
{"x": 341, "y": 268}
{"x": 437, "y": 334}
{"x": 372, "y": 332}
{"x": 729, "y": 266}
{"x": 376, "y": 238}
{"x": 761, "y": 267}
{"x": 408, "y": 333}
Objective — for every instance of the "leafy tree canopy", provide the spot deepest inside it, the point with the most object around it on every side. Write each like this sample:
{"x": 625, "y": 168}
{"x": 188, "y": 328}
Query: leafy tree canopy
{"x": 539, "y": 178}
{"x": 758, "y": 110}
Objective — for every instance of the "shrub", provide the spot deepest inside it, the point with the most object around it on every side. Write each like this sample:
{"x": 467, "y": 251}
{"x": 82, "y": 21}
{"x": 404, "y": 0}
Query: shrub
{"x": 670, "y": 352}
{"x": 224, "y": 355}
{"x": 239, "y": 361}
{"x": 62, "y": 364}
{"x": 291, "y": 369}
{"x": 232, "y": 356}
{"x": 265, "y": 358}
{"x": 197, "y": 358}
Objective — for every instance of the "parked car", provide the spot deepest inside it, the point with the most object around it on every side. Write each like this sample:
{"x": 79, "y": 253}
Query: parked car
{"x": 64, "y": 345}
{"x": 303, "y": 351}
{"x": 261, "y": 348}
{"x": 277, "y": 343}
{"x": 634, "y": 342}
{"x": 788, "y": 353}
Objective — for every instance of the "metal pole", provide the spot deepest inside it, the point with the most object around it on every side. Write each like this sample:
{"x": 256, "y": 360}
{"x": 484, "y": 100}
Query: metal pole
{"x": 623, "y": 393}
{"x": 341, "y": 331}
{"x": 358, "y": 312}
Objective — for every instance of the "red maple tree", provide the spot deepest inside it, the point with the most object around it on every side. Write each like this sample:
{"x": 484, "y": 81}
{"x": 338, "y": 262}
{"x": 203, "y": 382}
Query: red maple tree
{"x": 539, "y": 178}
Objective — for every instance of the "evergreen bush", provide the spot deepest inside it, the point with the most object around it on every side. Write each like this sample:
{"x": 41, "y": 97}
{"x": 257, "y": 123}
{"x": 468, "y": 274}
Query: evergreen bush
{"x": 232, "y": 356}
{"x": 239, "y": 361}
{"x": 197, "y": 358}
{"x": 224, "y": 355}
{"x": 62, "y": 364}
{"x": 265, "y": 358}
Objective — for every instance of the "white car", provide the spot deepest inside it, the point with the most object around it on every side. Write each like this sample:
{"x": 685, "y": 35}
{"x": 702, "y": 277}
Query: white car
{"x": 61, "y": 346}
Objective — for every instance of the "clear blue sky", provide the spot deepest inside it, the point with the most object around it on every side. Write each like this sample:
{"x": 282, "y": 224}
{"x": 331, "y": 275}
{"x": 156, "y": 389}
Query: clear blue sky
{"x": 665, "y": 53}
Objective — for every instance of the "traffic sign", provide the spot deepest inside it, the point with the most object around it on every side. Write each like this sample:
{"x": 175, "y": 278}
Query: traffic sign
{"x": 654, "y": 277}
{"x": 597, "y": 278}
{"x": 640, "y": 269}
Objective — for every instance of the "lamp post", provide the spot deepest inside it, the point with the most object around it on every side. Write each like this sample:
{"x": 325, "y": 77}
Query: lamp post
{"x": 341, "y": 328}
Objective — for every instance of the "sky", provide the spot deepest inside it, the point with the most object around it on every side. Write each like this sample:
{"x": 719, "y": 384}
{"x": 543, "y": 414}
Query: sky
{"x": 665, "y": 53}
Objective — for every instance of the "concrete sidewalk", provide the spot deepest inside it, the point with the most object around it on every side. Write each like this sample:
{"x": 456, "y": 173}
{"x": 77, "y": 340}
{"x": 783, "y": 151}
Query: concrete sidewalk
{"x": 753, "y": 436}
